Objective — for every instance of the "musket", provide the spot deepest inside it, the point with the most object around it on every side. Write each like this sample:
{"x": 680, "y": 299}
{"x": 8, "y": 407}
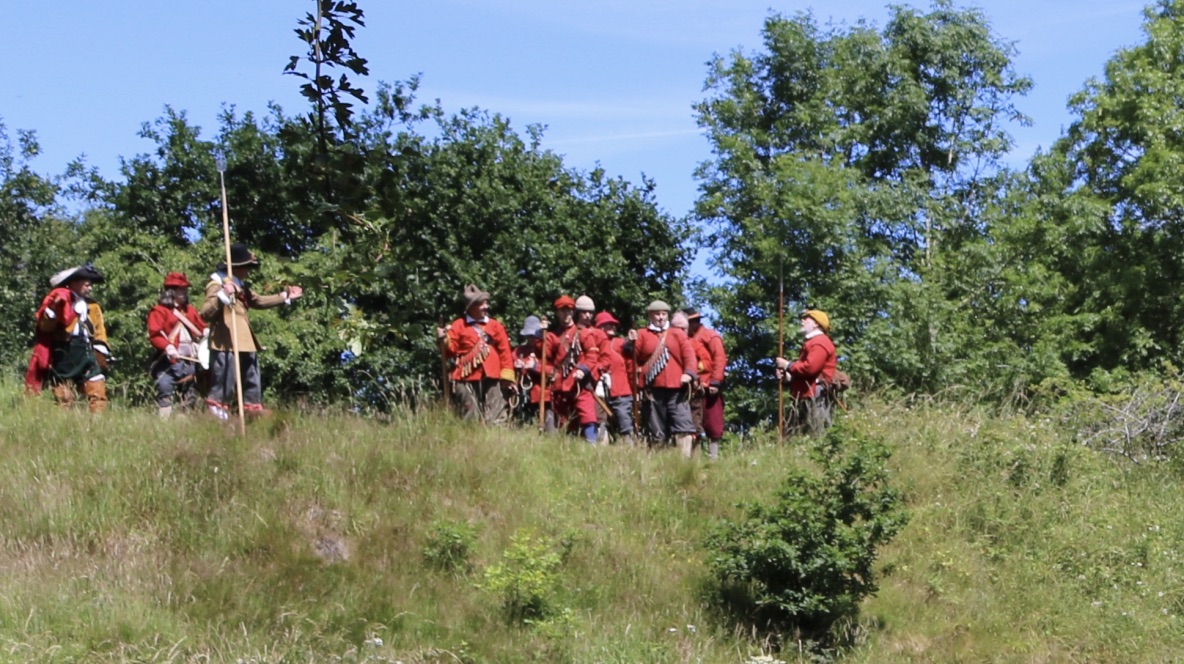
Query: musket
{"x": 220, "y": 161}
{"x": 780, "y": 351}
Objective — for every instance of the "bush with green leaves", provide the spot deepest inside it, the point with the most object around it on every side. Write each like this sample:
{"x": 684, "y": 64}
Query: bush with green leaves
{"x": 806, "y": 560}
{"x": 449, "y": 546}
{"x": 527, "y": 578}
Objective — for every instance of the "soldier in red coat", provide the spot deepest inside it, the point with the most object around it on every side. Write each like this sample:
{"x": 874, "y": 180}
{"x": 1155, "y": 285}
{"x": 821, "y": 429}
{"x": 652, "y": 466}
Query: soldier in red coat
{"x": 666, "y": 370}
{"x": 707, "y": 404}
{"x": 574, "y": 349}
{"x": 528, "y": 368}
{"x": 175, "y": 329}
{"x": 809, "y": 375}
{"x": 614, "y": 371}
{"x": 483, "y": 366}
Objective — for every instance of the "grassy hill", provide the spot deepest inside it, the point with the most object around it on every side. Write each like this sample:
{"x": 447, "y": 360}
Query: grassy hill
{"x": 330, "y": 537}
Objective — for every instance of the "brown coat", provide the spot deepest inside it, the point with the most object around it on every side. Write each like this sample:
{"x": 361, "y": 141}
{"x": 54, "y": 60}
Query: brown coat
{"x": 220, "y": 317}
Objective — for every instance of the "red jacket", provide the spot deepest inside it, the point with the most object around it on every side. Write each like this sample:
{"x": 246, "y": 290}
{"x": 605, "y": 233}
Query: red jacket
{"x": 583, "y": 345}
{"x": 612, "y": 362}
{"x": 481, "y": 350}
{"x": 709, "y": 349}
{"x": 57, "y": 300}
{"x": 680, "y": 357}
{"x": 162, "y": 325}
{"x": 815, "y": 363}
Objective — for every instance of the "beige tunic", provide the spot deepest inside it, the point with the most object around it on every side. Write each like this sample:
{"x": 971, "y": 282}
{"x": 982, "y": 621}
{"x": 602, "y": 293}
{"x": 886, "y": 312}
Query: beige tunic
{"x": 220, "y": 318}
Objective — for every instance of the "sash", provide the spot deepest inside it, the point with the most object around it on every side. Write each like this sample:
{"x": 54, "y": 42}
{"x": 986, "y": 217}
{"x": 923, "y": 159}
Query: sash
{"x": 656, "y": 363}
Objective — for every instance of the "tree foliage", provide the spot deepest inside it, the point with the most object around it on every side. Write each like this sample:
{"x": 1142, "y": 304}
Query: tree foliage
{"x": 862, "y": 168}
{"x": 1106, "y": 220}
{"x": 382, "y": 212}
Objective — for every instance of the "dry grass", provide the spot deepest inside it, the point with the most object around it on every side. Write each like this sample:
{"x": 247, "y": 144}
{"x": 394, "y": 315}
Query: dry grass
{"x": 130, "y": 539}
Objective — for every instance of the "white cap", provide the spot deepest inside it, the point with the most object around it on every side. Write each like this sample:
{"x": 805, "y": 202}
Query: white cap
{"x": 585, "y": 303}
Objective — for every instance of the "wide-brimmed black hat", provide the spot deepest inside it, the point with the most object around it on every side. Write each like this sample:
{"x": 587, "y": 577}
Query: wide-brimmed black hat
{"x": 240, "y": 256}
{"x": 690, "y": 312}
{"x": 87, "y": 272}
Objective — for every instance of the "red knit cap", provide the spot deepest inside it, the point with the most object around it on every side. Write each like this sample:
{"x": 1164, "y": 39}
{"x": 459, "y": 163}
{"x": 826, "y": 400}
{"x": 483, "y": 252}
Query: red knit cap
{"x": 565, "y": 301}
{"x": 176, "y": 280}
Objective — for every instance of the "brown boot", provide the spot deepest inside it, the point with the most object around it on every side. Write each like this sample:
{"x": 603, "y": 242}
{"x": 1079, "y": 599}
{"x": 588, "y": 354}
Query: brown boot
{"x": 63, "y": 393}
{"x": 686, "y": 444}
{"x": 96, "y": 395}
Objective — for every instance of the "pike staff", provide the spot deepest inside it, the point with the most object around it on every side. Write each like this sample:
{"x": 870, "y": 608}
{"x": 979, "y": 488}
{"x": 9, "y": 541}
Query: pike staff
{"x": 220, "y": 161}
{"x": 781, "y": 350}
{"x": 446, "y": 384}
{"x": 636, "y": 392}
{"x": 543, "y": 385}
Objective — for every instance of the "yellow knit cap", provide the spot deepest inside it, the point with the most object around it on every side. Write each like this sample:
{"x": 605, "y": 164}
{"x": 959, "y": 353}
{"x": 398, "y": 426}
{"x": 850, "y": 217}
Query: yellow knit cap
{"x": 819, "y": 317}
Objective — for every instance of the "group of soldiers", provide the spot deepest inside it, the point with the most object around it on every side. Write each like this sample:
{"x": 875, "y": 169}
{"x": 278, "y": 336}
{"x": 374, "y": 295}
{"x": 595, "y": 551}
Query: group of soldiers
{"x": 72, "y": 354}
{"x": 663, "y": 383}
{"x": 585, "y": 378}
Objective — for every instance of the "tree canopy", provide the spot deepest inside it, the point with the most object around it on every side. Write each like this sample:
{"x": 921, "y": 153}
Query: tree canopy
{"x": 859, "y": 168}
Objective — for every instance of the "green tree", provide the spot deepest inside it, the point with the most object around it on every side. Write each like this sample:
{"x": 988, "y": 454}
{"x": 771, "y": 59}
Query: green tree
{"x": 35, "y": 242}
{"x": 864, "y": 167}
{"x": 1109, "y": 199}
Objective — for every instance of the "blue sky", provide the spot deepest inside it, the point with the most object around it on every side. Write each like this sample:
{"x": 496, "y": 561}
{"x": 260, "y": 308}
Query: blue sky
{"x": 613, "y": 80}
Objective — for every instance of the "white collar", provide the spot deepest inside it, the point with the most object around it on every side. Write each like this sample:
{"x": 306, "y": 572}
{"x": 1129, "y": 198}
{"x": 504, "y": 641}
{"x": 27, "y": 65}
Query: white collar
{"x": 469, "y": 320}
{"x": 220, "y": 277}
{"x": 655, "y": 328}
{"x": 814, "y": 333}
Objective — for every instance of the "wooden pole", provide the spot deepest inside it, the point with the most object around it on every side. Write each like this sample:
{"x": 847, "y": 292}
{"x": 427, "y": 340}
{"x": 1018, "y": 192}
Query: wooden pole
{"x": 637, "y": 428}
{"x": 444, "y": 382}
{"x": 780, "y": 353}
{"x": 238, "y": 377}
{"x": 543, "y": 386}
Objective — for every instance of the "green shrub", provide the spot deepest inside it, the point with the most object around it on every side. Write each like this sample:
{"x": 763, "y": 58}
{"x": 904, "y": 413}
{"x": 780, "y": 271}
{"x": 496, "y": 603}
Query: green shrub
{"x": 527, "y": 578}
{"x": 805, "y": 561}
{"x": 449, "y": 546}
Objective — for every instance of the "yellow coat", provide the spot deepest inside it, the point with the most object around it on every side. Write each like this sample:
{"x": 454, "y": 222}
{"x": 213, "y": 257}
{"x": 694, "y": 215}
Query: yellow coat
{"x": 222, "y": 317}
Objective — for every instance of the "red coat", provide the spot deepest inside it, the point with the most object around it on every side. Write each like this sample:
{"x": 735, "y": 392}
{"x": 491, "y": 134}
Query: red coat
{"x": 680, "y": 356}
{"x": 583, "y": 345}
{"x": 162, "y": 324}
{"x": 481, "y": 350}
{"x": 612, "y": 362}
{"x": 816, "y": 362}
{"x": 57, "y": 300}
{"x": 709, "y": 350}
